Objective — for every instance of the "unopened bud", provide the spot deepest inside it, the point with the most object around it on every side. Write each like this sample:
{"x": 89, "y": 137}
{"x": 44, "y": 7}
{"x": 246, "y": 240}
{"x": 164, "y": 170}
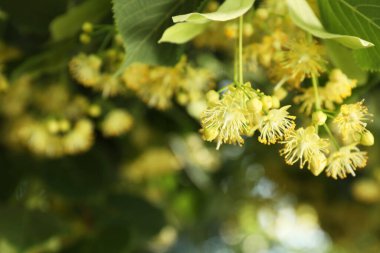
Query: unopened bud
{"x": 64, "y": 125}
{"x": 255, "y": 105}
{"x": 267, "y": 102}
{"x": 275, "y": 102}
{"x": 319, "y": 118}
{"x": 84, "y": 38}
{"x": 53, "y": 126}
{"x": 87, "y": 27}
{"x": 248, "y": 30}
{"x": 367, "y": 139}
{"x": 318, "y": 164}
{"x": 212, "y": 97}
{"x": 280, "y": 93}
{"x": 209, "y": 134}
{"x": 94, "y": 111}
{"x": 262, "y": 13}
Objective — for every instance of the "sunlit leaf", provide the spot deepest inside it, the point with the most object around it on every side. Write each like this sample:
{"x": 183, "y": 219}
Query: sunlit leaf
{"x": 304, "y": 17}
{"x": 70, "y": 23}
{"x": 229, "y": 10}
{"x": 359, "y": 18}
{"x": 182, "y": 32}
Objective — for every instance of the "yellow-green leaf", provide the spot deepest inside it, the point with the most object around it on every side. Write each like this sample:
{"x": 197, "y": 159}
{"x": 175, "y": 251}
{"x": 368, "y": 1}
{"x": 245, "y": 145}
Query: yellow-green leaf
{"x": 182, "y": 32}
{"x": 304, "y": 17}
{"x": 229, "y": 10}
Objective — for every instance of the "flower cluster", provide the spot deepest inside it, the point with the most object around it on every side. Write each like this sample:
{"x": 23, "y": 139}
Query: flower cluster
{"x": 239, "y": 112}
{"x": 294, "y": 61}
{"x": 157, "y": 86}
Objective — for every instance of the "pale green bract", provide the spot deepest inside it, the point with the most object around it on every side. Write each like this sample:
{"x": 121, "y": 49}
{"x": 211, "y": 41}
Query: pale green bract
{"x": 229, "y": 10}
{"x": 192, "y": 24}
{"x": 182, "y": 32}
{"x": 304, "y": 17}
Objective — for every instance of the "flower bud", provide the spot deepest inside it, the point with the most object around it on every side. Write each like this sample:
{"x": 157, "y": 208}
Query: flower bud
{"x": 262, "y": 13}
{"x": 255, "y": 105}
{"x": 275, "y": 102}
{"x": 367, "y": 139}
{"x": 280, "y": 93}
{"x": 87, "y": 27}
{"x": 94, "y": 111}
{"x": 84, "y": 38}
{"x": 318, "y": 164}
{"x": 64, "y": 125}
{"x": 53, "y": 126}
{"x": 319, "y": 118}
{"x": 212, "y": 97}
{"x": 210, "y": 134}
{"x": 267, "y": 102}
{"x": 248, "y": 30}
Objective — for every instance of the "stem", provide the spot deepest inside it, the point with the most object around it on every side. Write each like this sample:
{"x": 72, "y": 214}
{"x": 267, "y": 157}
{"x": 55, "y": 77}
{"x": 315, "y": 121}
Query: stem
{"x": 241, "y": 77}
{"x": 331, "y": 136}
{"x": 236, "y": 61}
{"x": 316, "y": 93}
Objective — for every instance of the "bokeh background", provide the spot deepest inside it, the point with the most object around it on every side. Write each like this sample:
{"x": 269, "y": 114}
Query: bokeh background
{"x": 159, "y": 187}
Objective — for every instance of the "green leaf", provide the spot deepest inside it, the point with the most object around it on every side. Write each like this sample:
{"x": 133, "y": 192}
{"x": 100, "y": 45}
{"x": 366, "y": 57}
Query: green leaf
{"x": 141, "y": 24}
{"x": 68, "y": 24}
{"x": 25, "y": 228}
{"x": 343, "y": 59}
{"x": 359, "y": 18}
{"x": 304, "y": 17}
{"x": 229, "y": 10}
{"x": 32, "y": 17}
{"x": 182, "y": 32}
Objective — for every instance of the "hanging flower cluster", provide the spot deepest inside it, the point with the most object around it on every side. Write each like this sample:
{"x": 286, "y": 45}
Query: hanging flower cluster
{"x": 329, "y": 140}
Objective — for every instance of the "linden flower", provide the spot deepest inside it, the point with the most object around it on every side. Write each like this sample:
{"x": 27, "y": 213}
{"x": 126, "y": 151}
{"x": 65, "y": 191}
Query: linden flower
{"x": 116, "y": 123}
{"x": 345, "y": 161}
{"x": 80, "y": 138}
{"x": 350, "y": 121}
{"x": 336, "y": 90}
{"x": 302, "y": 59}
{"x": 275, "y": 125}
{"x": 155, "y": 86}
{"x": 227, "y": 120}
{"x": 306, "y": 146}
{"x": 339, "y": 87}
{"x": 109, "y": 85}
{"x": 3, "y": 82}
{"x": 86, "y": 69}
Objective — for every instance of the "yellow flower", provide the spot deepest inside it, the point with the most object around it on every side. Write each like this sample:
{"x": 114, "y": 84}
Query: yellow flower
{"x": 156, "y": 85}
{"x": 153, "y": 163}
{"x": 110, "y": 85}
{"x": 336, "y": 90}
{"x": 3, "y": 82}
{"x": 345, "y": 161}
{"x": 80, "y": 138}
{"x": 116, "y": 123}
{"x": 274, "y": 125}
{"x": 302, "y": 59}
{"x": 306, "y": 146}
{"x": 350, "y": 121}
{"x": 228, "y": 119}
{"x": 193, "y": 86}
{"x": 86, "y": 69}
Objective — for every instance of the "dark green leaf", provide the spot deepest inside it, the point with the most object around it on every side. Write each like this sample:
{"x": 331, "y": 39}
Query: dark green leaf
{"x": 359, "y": 18}
{"x": 35, "y": 16}
{"x": 25, "y": 228}
{"x": 343, "y": 58}
{"x": 141, "y": 24}
{"x": 68, "y": 24}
